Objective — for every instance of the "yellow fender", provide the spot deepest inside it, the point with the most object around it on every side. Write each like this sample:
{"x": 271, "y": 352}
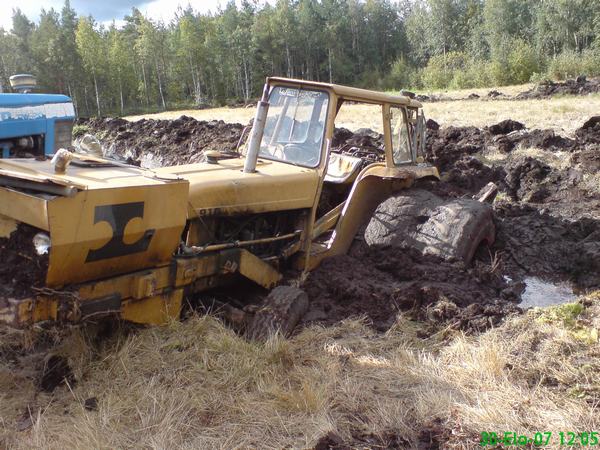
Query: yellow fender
{"x": 373, "y": 185}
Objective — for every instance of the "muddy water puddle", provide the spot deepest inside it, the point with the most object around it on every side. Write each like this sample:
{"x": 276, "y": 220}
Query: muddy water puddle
{"x": 539, "y": 292}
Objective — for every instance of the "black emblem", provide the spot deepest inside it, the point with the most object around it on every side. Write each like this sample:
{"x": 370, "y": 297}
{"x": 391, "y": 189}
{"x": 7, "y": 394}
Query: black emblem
{"x": 118, "y": 216}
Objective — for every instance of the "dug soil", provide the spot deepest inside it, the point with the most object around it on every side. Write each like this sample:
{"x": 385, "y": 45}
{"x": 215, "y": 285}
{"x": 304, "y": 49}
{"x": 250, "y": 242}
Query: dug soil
{"x": 156, "y": 143}
{"x": 547, "y": 218}
{"x": 21, "y": 268}
{"x": 579, "y": 86}
{"x": 547, "y": 224}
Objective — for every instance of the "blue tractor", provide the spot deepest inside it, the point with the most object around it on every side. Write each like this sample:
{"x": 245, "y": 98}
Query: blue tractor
{"x": 33, "y": 125}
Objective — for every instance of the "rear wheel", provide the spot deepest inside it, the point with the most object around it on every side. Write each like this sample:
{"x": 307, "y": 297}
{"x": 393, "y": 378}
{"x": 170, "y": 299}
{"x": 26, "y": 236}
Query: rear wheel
{"x": 452, "y": 229}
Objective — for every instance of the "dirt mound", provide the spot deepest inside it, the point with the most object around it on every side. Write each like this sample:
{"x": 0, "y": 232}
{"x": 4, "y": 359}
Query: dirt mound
{"x": 589, "y": 133}
{"x": 579, "y": 86}
{"x": 550, "y": 227}
{"x": 364, "y": 137}
{"x": 447, "y": 145}
{"x": 21, "y": 268}
{"x": 544, "y": 139}
{"x": 525, "y": 180}
{"x": 506, "y": 126}
{"x": 379, "y": 282}
{"x": 156, "y": 143}
{"x": 532, "y": 241}
{"x": 432, "y": 125}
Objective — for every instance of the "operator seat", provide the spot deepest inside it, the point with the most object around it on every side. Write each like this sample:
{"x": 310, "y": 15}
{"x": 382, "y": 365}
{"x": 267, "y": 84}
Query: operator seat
{"x": 342, "y": 169}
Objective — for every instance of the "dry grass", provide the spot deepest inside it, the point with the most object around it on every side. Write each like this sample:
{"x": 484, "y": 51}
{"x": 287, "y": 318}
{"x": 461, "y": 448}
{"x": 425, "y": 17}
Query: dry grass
{"x": 482, "y": 92}
{"x": 562, "y": 114}
{"x": 198, "y": 385}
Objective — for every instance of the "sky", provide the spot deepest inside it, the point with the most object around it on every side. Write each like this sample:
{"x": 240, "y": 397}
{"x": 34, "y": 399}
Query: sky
{"x": 106, "y": 10}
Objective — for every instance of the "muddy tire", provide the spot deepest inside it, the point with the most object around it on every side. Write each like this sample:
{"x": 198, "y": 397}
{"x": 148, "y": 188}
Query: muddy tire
{"x": 279, "y": 313}
{"x": 451, "y": 229}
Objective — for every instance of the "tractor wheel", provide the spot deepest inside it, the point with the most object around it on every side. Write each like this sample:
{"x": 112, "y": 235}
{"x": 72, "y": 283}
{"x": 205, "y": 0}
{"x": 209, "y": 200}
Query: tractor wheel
{"x": 451, "y": 229}
{"x": 279, "y": 313}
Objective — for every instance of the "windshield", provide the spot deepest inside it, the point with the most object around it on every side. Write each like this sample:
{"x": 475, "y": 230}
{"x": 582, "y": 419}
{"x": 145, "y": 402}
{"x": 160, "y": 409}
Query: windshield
{"x": 295, "y": 126}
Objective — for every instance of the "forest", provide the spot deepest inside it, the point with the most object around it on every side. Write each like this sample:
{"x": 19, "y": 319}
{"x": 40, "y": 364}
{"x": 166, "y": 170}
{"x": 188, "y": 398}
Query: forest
{"x": 139, "y": 64}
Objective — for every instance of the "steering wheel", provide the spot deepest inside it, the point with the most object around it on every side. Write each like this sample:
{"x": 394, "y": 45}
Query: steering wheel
{"x": 279, "y": 152}
{"x": 298, "y": 153}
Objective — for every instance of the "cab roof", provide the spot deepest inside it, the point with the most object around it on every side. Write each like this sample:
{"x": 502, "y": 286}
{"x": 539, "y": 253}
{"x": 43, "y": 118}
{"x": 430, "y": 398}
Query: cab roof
{"x": 32, "y": 99}
{"x": 352, "y": 93}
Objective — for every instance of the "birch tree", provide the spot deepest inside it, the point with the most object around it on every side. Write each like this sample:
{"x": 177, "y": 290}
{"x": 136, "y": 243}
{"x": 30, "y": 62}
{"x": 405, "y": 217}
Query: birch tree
{"x": 91, "y": 47}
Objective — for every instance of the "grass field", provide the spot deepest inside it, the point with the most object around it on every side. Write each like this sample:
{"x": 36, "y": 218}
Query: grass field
{"x": 562, "y": 114}
{"x": 195, "y": 384}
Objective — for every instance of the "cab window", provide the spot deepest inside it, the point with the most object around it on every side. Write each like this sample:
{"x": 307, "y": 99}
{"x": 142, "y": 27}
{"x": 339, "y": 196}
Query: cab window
{"x": 295, "y": 126}
{"x": 401, "y": 136}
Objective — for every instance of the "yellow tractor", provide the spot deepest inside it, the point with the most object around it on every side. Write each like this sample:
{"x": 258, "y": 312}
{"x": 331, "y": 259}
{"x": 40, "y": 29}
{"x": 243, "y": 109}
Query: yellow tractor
{"x": 104, "y": 238}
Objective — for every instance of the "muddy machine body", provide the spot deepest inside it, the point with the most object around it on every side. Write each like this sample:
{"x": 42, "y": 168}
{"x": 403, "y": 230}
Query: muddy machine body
{"x": 134, "y": 242}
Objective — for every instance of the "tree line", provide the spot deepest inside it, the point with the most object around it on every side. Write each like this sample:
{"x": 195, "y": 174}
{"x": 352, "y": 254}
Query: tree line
{"x": 200, "y": 59}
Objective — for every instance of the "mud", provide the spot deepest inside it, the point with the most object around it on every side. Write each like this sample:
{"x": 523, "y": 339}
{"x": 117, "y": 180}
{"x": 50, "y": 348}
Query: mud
{"x": 547, "y": 223}
{"x": 360, "y": 439}
{"x": 505, "y": 127}
{"x": 21, "y": 268}
{"x": 550, "y": 224}
{"x": 579, "y": 86}
{"x": 534, "y": 242}
{"x": 155, "y": 143}
{"x": 56, "y": 371}
{"x": 380, "y": 282}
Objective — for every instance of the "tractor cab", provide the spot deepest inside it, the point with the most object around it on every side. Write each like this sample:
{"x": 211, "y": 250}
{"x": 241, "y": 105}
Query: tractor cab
{"x": 297, "y": 125}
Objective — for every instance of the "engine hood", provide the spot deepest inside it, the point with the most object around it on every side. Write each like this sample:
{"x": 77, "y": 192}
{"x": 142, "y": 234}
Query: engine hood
{"x": 224, "y": 189}
{"x": 220, "y": 188}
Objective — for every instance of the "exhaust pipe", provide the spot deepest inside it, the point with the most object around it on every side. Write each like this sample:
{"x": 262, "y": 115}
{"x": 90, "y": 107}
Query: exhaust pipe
{"x": 258, "y": 127}
{"x": 23, "y": 83}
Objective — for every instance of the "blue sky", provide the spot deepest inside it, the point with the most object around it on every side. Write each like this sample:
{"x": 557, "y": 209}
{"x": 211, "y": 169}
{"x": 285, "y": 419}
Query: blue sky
{"x": 106, "y": 10}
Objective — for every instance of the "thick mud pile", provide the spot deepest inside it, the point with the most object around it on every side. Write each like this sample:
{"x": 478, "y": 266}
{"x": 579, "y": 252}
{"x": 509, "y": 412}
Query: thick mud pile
{"x": 21, "y": 268}
{"x": 379, "y": 282}
{"x": 549, "y": 222}
{"x": 579, "y": 86}
{"x": 547, "y": 218}
{"x": 156, "y": 143}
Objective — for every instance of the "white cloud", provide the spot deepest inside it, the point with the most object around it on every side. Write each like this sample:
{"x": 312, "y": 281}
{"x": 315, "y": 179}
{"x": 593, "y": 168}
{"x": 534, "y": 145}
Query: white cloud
{"x": 31, "y": 8}
{"x": 165, "y": 10}
{"x": 109, "y": 10}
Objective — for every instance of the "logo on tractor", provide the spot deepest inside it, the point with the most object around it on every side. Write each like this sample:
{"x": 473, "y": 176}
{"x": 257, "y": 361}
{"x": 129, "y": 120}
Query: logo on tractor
{"x": 118, "y": 216}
